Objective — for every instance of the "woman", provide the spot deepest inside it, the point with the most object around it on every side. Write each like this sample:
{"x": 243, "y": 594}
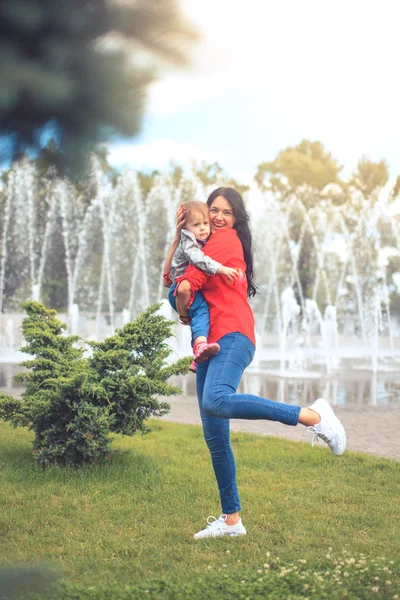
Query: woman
{"x": 232, "y": 327}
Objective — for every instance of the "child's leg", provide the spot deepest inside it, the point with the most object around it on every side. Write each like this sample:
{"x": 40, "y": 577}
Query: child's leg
{"x": 200, "y": 319}
{"x": 200, "y": 326}
{"x": 199, "y": 315}
{"x": 177, "y": 304}
{"x": 183, "y": 296}
{"x": 172, "y": 301}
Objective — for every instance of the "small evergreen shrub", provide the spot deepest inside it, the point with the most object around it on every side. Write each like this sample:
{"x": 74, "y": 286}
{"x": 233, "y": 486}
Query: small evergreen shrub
{"x": 73, "y": 404}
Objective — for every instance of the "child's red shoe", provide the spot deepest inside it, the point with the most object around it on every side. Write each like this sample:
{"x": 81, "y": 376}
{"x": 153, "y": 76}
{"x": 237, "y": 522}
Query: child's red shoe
{"x": 193, "y": 367}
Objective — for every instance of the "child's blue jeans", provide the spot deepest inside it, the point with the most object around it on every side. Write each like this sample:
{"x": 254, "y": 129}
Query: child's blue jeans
{"x": 198, "y": 312}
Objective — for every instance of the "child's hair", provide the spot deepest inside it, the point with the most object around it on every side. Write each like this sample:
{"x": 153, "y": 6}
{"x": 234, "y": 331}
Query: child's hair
{"x": 194, "y": 206}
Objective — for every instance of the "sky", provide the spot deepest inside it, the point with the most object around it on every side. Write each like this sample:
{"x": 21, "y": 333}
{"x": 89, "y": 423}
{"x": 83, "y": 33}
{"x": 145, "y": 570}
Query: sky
{"x": 267, "y": 74}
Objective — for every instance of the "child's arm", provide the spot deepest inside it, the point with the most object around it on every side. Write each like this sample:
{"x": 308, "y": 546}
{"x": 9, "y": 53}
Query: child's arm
{"x": 205, "y": 263}
{"x": 230, "y": 272}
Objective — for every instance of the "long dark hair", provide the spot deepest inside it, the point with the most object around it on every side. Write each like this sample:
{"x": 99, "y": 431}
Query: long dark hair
{"x": 243, "y": 230}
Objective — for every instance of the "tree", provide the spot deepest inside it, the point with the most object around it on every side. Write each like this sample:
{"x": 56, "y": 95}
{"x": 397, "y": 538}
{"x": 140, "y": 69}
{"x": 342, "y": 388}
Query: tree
{"x": 370, "y": 177}
{"x": 78, "y": 70}
{"x": 307, "y": 164}
{"x": 146, "y": 181}
{"x": 395, "y": 193}
{"x": 307, "y": 173}
{"x": 72, "y": 403}
{"x": 214, "y": 174}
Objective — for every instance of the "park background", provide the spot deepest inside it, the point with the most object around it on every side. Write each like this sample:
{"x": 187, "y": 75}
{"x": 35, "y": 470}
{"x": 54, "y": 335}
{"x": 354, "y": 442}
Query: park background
{"x": 108, "y": 123}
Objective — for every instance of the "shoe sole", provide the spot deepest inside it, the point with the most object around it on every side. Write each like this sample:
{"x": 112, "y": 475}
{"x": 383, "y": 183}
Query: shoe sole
{"x": 227, "y": 534}
{"x": 344, "y": 440}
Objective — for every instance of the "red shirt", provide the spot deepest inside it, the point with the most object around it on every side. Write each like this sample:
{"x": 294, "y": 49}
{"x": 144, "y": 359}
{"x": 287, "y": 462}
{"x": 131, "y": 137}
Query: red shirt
{"x": 230, "y": 311}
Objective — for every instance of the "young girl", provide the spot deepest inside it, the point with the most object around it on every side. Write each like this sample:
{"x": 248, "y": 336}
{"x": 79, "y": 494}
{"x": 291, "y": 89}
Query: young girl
{"x": 193, "y": 235}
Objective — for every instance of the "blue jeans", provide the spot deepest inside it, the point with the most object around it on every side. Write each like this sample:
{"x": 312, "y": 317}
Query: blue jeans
{"x": 217, "y": 381}
{"x": 198, "y": 312}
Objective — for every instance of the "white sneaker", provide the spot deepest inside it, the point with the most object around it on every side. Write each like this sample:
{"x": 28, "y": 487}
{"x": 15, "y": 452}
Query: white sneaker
{"x": 329, "y": 428}
{"x": 218, "y": 528}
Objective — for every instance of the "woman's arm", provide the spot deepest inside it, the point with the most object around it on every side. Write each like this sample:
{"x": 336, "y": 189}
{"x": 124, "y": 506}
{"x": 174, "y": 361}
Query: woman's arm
{"x": 180, "y": 221}
{"x": 168, "y": 261}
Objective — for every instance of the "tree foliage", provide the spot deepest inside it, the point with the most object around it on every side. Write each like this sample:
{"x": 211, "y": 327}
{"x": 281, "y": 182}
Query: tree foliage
{"x": 80, "y": 69}
{"x": 307, "y": 164}
{"x": 310, "y": 171}
{"x": 305, "y": 177}
{"x": 370, "y": 177}
{"x": 214, "y": 174}
{"x": 73, "y": 403}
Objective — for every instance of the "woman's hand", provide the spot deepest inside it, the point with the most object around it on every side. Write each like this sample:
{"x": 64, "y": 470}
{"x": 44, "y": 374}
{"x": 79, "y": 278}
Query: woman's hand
{"x": 180, "y": 221}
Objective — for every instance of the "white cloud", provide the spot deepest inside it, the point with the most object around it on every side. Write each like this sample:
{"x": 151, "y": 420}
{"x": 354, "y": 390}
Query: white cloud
{"x": 155, "y": 155}
{"x": 266, "y": 33}
{"x": 306, "y": 69}
{"x": 324, "y": 62}
{"x": 173, "y": 93}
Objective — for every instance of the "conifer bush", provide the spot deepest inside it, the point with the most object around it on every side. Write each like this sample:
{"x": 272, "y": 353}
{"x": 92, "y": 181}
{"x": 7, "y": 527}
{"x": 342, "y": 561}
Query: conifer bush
{"x": 72, "y": 403}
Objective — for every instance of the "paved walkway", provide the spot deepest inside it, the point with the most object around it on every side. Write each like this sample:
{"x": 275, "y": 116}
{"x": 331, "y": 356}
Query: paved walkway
{"x": 371, "y": 429}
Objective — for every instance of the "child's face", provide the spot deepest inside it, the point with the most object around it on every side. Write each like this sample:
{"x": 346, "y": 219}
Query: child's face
{"x": 199, "y": 225}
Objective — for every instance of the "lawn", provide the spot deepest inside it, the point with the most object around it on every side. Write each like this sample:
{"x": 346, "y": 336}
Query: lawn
{"x": 318, "y": 526}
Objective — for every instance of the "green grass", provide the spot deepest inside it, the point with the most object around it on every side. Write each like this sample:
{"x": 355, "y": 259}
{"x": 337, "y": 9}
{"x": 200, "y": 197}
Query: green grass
{"x": 127, "y": 527}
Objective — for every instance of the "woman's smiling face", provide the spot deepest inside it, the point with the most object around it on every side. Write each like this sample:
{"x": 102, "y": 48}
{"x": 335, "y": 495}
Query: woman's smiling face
{"x": 221, "y": 214}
